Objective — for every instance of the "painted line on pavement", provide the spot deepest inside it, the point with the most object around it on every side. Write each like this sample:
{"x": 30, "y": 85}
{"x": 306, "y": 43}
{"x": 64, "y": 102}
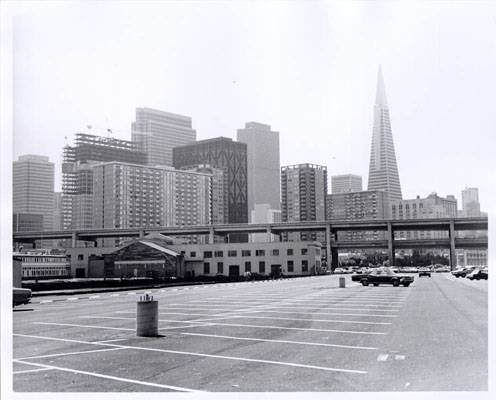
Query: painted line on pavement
{"x": 111, "y": 377}
{"x": 84, "y": 326}
{"x": 382, "y": 357}
{"x": 252, "y": 360}
{"x": 67, "y": 354}
{"x": 280, "y": 341}
{"x": 308, "y": 319}
{"x": 26, "y": 371}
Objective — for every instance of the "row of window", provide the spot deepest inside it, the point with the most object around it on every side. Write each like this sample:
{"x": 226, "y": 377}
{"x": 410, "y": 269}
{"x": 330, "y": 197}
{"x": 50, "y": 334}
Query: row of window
{"x": 41, "y": 271}
{"x": 247, "y": 253}
{"x": 261, "y": 267}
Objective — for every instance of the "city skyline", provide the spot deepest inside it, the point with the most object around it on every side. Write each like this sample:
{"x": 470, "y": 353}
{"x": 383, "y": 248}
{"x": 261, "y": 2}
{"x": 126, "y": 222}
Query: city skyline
{"x": 335, "y": 116}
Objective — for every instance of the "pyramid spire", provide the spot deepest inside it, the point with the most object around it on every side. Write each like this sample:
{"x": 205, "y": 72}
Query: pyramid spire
{"x": 380, "y": 98}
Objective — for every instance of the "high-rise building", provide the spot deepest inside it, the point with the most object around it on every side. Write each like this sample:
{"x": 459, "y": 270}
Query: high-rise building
{"x": 57, "y": 211}
{"x": 433, "y": 206}
{"x": 133, "y": 195}
{"x": 261, "y": 214}
{"x": 158, "y": 132}
{"x": 25, "y": 222}
{"x": 33, "y": 183}
{"x": 77, "y": 174}
{"x": 356, "y": 206}
{"x": 303, "y": 196}
{"x": 383, "y": 170}
{"x": 263, "y": 165}
{"x": 470, "y": 202}
{"x": 218, "y": 199}
{"x": 227, "y": 155}
{"x": 346, "y": 183}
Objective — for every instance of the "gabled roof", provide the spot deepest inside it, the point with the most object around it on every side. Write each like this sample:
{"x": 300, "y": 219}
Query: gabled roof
{"x": 159, "y": 248}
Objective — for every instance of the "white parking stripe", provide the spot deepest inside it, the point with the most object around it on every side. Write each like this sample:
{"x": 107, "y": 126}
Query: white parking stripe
{"x": 67, "y": 354}
{"x": 110, "y": 377}
{"x": 382, "y": 357}
{"x": 26, "y": 371}
{"x": 323, "y": 313}
{"x": 253, "y": 360}
{"x": 83, "y": 326}
{"x": 280, "y": 341}
{"x": 305, "y": 319}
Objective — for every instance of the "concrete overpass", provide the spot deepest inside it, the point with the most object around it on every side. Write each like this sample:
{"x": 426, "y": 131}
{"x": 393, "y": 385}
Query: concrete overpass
{"x": 330, "y": 227}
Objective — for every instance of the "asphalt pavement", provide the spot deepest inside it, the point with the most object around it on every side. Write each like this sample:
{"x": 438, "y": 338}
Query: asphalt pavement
{"x": 294, "y": 335}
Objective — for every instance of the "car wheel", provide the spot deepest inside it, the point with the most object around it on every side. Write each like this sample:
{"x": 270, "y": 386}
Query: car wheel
{"x": 376, "y": 284}
{"x": 365, "y": 282}
{"x": 406, "y": 284}
{"x": 396, "y": 283}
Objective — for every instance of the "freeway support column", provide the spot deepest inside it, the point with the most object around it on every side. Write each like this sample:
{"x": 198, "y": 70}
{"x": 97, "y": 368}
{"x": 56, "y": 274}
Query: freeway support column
{"x": 390, "y": 240}
{"x": 141, "y": 233}
{"x": 328, "y": 238}
{"x": 211, "y": 235}
{"x": 452, "y": 245}
{"x": 74, "y": 240}
{"x": 269, "y": 235}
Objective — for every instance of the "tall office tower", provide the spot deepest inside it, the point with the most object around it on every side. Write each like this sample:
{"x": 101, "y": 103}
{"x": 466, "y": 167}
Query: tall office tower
{"x": 346, "y": 183}
{"x": 383, "y": 170}
{"x": 218, "y": 199}
{"x": 57, "y": 211}
{"x": 263, "y": 165}
{"x": 140, "y": 196}
{"x": 77, "y": 174}
{"x": 229, "y": 156}
{"x": 433, "y": 206}
{"x": 262, "y": 213}
{"x": 470, "y": 202}
{"x": 33, "y": 183}
{"x": 356, "y": 206}
{"x": 158, "y": 132}
{"x": 303, "y": 194}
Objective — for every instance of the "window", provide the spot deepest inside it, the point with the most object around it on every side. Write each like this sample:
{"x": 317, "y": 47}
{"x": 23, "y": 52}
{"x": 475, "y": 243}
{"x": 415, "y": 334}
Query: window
{"x": 219, "y": 253}
{"x": 206, "y": 268}
{"x": 275, "y": 252}
{"x": 232, "y": 253}
{"x": 80, "y": 257}
{"x": 220, "y": 268}
{"x": 304, "y": 252}
{"x": 207, "y": 254}
{"x": 192, "y": 254}
{"x": 247, "y": 266}
{"x": 304, "y": 266}
{"x": 261, "y": 267}
{"x": 289, "y": 252}
{"x": 290, "y": 266}
{"x": 245, "y": 253}
{"x": 260, "y": 253}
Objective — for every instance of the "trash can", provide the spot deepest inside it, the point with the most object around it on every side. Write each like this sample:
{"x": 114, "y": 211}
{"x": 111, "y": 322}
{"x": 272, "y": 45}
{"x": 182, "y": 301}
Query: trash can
{"x": 147, "y": 316}
{"x": 342, "y": 282}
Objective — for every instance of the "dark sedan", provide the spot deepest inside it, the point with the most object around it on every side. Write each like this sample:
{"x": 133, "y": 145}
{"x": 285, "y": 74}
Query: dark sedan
{"x": 386, "y": 276}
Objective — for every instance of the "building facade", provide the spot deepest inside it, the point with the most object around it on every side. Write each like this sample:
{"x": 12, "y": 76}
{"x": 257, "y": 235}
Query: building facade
{"x": 33, "y": 187}
{"x": 25, "y": 222}
{"x": 346, "y": 183}
{"x": 133, "y": 195}
{"x": 158, "y": 132}
{"x": 303, "y": 197}
{"x": 383, "y": 169}
{"x": 262, "y": 213}
{"x": 77, "y": 174}
{"x": 356, "y": 206}
{"x": 263, "y": 165}
{"x": 433, "y": 206}
{"x": 470, "y": 202}
{"x": 228, "y": 156}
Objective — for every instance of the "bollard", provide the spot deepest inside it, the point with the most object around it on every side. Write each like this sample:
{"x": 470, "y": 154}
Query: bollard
{"x": 342, "y": 282}
{"x": 147, "y": 316}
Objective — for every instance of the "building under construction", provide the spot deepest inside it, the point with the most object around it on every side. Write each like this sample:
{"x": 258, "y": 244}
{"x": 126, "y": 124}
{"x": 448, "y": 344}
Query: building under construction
{"x": 77, "y": 173}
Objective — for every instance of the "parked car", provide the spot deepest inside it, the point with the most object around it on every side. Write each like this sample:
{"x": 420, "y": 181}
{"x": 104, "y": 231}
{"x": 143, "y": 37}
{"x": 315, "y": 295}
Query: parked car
{"x": 21, "y": 296}
{"x": 462, "y": 272}
{"x": 478, "y": 273}
{"x": 385, "y": 275}
{"x": 339, "y": 270}
{"x": 424, "y": 271}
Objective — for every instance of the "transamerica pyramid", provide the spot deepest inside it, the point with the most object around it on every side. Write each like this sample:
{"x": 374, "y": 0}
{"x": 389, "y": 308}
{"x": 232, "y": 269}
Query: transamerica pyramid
{"x": 383, "y": 170}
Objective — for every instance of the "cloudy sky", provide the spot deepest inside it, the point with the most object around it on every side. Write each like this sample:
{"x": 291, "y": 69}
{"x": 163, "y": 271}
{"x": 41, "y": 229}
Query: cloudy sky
{"x": 308, "y": 69}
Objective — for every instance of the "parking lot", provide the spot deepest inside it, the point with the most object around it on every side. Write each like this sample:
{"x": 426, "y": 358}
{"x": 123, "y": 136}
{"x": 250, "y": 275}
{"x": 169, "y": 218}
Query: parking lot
{"x": 290, "y": 335}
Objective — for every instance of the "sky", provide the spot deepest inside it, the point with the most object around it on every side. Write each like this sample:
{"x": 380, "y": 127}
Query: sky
{"x": 308, "y": 69}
